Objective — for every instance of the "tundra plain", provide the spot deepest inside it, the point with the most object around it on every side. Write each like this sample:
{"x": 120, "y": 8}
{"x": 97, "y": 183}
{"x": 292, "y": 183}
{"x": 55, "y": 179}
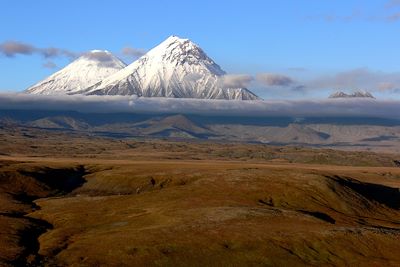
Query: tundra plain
{"x": 69, "y": 199}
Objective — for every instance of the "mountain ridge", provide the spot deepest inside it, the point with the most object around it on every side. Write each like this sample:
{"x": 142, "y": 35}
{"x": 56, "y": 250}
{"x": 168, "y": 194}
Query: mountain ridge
{"x": 176, "y": 68}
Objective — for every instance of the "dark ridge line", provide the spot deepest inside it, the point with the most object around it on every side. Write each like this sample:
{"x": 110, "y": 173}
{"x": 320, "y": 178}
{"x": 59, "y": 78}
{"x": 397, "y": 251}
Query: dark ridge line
{"x": 29, "y": 241}
{"x": 319, "y": 215}
{"x": 385, "y": 195}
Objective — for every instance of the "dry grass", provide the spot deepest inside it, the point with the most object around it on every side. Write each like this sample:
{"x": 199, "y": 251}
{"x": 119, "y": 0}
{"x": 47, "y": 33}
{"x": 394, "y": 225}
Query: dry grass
{"x": 233, "y": 205}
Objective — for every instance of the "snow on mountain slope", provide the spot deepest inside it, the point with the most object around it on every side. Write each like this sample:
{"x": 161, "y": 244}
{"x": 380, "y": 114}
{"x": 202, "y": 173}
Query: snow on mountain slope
{"x": 176, "y": 68}
{"x": 85, "y": 71}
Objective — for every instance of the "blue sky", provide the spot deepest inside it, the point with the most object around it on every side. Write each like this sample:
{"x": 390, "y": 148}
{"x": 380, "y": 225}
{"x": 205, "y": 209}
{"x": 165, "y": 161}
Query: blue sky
{"x": 319, "y": 45}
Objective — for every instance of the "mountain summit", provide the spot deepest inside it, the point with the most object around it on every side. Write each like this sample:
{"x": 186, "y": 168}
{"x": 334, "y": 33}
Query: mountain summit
{"x": 85, "y": 71}
{"x": 176, "y": 68}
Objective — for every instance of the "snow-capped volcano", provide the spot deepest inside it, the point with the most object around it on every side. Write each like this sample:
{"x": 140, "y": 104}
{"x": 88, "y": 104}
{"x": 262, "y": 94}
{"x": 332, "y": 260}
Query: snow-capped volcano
{"x": 176, "y": 68}
{"x": 85, "y": 71}
{"x": 357, "y": 94}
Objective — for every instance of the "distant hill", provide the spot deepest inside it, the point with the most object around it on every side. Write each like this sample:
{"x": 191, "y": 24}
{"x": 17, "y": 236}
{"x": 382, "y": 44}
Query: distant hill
{"x": 173, "y": 126}
{"x": 363, "y": 133}
{"x": 59, "y": 122}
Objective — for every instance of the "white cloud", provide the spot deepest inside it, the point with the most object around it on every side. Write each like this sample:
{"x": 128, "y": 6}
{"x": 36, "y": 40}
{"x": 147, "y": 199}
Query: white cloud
{"x": 133, "y": 52}
{"x": 273, "y": 79}
{"x": 236, "y": 80}
{"x": 392, "y": 3}
{"x": 361, "y": 78}
{"x": 110, "y": 104}
{"x": 13, "y": 48}
{"x": 49, "y": 64}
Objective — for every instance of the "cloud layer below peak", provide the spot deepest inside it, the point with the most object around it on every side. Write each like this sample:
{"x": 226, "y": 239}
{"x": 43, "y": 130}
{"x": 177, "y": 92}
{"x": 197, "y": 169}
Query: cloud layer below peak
{"x": 112, "y": 104}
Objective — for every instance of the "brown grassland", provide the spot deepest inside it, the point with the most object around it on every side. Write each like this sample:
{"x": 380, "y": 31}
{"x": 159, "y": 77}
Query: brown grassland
{"x": 73, "y": 200}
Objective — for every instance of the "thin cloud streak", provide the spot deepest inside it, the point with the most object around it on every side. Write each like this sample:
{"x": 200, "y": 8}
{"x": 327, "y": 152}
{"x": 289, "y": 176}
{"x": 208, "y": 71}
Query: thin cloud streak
{"x": 236, "y": 80}
{"x": 133, "y": 52}
{"x": 49, "y": 65}
{"x": 392, "y": 4}
{"x": 14, "y": 48}
{"x": 273, "y": 79}
{"x": 394, "y": 17}
{"x": 361, "y": 78}
{"x": 359, "y": 15}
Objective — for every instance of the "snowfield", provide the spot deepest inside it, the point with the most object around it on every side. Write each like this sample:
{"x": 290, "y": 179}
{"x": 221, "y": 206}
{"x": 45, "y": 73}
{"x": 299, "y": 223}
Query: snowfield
{"x": 85, "y": 71}
{"x": 176, "y": 68}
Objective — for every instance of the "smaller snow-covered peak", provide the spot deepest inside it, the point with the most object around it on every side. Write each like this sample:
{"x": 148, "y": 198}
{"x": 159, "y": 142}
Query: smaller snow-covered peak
{"x": 100, "y": 57}
{"x": 362, "y": 93}
{"x": 90, "y": 68}
{"x": 356, "y": 94}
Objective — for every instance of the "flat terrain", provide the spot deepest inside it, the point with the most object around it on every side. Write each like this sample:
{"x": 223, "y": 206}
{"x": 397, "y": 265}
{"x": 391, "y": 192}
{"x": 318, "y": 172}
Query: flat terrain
{"x": 76, "y": 200}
